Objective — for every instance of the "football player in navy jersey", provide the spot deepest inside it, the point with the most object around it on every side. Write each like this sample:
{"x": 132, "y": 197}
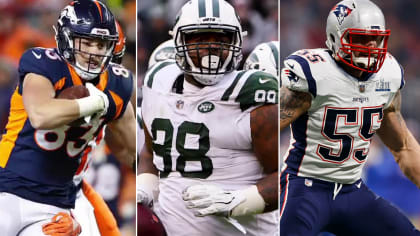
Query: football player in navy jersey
{"x": 40, "y": 152}
{"x": 335, "y": 99}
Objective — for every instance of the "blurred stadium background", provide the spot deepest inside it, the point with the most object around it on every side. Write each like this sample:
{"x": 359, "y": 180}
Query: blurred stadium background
{"x": 156, "y": 18}
{"x": 28, "y": 23}
{"x": 302, "y": 25}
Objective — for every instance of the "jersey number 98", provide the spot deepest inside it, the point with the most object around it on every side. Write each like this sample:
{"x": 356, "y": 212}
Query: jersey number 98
{"x": 163, "y": 134}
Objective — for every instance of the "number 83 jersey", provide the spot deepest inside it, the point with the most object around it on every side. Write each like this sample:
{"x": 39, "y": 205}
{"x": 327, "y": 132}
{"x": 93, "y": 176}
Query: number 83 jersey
{"x": 331, "y": 141}
{"x": 40, "y": 164}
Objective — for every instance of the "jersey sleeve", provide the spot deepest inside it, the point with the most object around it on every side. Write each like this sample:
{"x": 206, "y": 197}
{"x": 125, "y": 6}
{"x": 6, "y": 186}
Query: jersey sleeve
{"x": 395, "y": 75}
{"x": 121, "y": 89}
{"x": 296, "y": 75}
{"x": 259, "y": 88}
{"x": 41, "y": 61}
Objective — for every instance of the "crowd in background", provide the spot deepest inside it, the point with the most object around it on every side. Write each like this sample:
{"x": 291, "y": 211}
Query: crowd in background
{"x": 156, "y": 17}
{"x": 28, "y": 23}
{"x": 302, "y": 25}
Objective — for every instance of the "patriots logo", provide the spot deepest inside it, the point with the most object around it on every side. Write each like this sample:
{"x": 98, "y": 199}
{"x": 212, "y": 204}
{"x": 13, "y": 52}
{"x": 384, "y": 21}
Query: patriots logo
{"x": 341, "y": 11}
{"x": 291, "y": 75}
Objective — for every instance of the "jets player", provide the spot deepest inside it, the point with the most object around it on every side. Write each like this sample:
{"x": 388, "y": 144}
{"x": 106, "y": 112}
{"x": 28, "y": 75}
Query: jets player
{"x": 335, "y": 100}
{"x": 40, "y": 153}
{"x": 264, "y": 57}
{"x": 164, "y": 51}
{"x": 210, "y": 154}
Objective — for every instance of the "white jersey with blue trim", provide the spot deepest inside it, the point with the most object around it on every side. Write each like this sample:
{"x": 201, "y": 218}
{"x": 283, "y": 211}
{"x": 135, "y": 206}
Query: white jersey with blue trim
{"x": 331, "y": 140}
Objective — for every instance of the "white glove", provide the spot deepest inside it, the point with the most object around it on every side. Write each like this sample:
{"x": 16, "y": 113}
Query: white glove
{"x": 147, "y": 188}
{"x": 93, "y": 91}
{"x": 212, "y": 200}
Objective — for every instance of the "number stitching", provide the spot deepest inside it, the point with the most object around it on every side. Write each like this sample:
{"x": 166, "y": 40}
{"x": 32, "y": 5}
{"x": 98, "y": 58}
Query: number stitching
{"x": 185, "y": 154}
{"x": 351, "y": 118}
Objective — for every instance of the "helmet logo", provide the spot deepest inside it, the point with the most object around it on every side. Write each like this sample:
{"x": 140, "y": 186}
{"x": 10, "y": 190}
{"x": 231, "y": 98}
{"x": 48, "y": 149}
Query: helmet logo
{"x": 69, "y": 13}
{"x": 205, "y": 107}
{"x": 341, "y": 11}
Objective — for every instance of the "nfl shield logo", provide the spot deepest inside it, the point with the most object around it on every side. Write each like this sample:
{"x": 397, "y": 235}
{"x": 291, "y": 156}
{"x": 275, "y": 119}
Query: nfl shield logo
{"x": 179, "y": 104}
{"x": 362, "y": 88}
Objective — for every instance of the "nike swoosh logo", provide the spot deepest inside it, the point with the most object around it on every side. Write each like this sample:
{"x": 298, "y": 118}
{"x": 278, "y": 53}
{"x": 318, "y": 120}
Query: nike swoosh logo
{"x": 37, "y": 56}
{"x": 291, "y": 66}
{"x": 263, "y": 81}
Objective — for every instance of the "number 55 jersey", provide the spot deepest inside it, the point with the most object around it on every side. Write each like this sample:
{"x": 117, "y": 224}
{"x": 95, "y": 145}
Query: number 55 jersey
{"x": 203, "y": 136}
{"x": 331, "y": 141}
{"x": 39, "y": 165}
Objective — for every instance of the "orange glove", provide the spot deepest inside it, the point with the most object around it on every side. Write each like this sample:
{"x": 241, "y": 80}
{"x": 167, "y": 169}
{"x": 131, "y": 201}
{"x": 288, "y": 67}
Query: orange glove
{"x": 62, "y": 224}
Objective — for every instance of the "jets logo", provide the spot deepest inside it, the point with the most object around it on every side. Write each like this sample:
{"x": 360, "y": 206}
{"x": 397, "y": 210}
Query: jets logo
{"x": 205, "y": 107}
{"x": 341, "y": 11}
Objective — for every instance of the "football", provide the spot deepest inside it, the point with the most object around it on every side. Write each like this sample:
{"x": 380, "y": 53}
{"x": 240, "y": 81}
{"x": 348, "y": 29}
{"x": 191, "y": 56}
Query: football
{"x": 148, "y": 224}
{"x": 75, "y": 92}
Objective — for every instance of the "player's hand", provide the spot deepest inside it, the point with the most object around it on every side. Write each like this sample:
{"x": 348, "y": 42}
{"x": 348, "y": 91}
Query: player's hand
{"x": 211, "y": 200}
{"x": 101, "y": 96}
{"x": 62, "y": 224}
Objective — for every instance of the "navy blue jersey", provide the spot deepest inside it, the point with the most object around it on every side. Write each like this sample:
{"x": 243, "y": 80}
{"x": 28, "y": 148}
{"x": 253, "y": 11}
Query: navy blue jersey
{"x": 48, "y": 159}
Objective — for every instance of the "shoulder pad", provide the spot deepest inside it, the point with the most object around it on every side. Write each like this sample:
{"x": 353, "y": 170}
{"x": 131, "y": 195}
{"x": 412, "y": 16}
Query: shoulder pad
{"x": 258, "y": 88}
{"x": 42, "y": 61}
{"x": 120, "y": 84}
{"x": 167, "y": 67}
{"x": 296, "y": 74}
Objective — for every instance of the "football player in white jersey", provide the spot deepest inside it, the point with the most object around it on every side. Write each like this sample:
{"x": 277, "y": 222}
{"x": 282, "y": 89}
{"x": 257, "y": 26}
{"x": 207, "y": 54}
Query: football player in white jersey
{"x": 335, "y": 100}
{"x": 264, "y": 57}
{"x": 210, "y": 154}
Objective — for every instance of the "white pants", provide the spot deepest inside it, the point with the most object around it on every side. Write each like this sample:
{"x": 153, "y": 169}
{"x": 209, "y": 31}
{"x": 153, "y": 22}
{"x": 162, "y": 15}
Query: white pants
{"x": 83, "y": 213}
{"x": 24, "y": 217}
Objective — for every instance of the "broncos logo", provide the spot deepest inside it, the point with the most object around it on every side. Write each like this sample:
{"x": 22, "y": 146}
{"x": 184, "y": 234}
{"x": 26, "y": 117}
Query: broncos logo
{"x": 341, "y": 11}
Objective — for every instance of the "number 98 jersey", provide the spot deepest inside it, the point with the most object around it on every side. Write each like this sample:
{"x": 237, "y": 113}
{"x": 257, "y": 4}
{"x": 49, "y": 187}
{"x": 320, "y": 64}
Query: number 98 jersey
{"x": 202, "y": 136}
{"x": 331, "y": 141}
{"x": 39, "y": 165}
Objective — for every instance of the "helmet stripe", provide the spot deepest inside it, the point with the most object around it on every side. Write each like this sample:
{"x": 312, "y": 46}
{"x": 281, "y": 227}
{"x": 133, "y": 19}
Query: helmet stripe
{"x": 216, "y": 10}
{"x": 201, "y": 8}
{"x": 275, "y": 53}
{"x": 99, "y": 8}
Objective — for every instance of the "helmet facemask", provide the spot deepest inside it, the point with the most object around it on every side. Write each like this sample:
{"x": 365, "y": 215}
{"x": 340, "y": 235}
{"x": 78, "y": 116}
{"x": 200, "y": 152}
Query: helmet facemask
{"x": 364, "y": 50}
{"x": 87, "y": 64}
{"x": 207, "y": 61}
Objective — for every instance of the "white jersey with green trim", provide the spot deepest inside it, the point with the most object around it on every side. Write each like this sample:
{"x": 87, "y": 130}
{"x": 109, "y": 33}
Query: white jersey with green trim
{"x": 331, "y": 141}
{"x": 203, "y": 136}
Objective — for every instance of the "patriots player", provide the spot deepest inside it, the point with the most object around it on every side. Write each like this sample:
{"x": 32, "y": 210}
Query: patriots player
{"x": 335, "y": 100}
{"x": 40, "y": 153}
{"x": 210, "y": 154}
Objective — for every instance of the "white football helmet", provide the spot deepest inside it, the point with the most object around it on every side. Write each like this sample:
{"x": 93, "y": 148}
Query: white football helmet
{"x": 264, "y": 57}
{"x": 208, "y": 16}
{"x": 356, "y": 34}
{"x": 164, "y": 51}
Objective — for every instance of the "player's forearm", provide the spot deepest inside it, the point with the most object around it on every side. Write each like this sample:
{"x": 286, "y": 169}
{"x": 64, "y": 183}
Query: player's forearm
{"x": 268, "y": 188}
{"x": 409, "y": 160}
{"x": 145, "y": 164}
{"x": 54, "y": 113}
